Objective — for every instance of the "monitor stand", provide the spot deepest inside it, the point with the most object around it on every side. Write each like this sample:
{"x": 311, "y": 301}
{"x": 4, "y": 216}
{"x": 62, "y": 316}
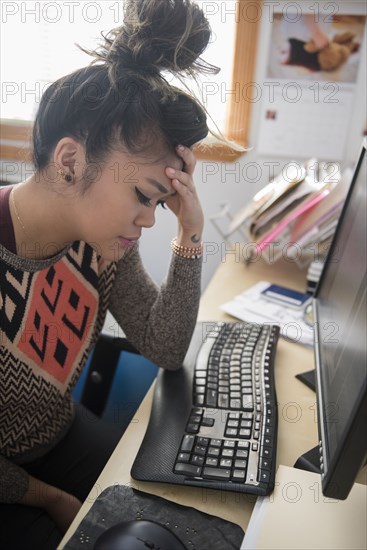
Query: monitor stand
{"x": 308, "y": 378}
{"x": 309, "y": 461}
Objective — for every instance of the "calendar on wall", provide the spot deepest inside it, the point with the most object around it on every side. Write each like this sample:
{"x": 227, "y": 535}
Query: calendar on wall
{"x": 311, "y": 79}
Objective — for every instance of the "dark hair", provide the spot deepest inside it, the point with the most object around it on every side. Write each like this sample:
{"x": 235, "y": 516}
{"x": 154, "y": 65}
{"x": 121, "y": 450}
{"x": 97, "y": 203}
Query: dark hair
{"x": 122, "y": 97}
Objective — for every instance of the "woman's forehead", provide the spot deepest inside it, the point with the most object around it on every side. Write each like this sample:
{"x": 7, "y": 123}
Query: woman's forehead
{"x": 166, "y": 161}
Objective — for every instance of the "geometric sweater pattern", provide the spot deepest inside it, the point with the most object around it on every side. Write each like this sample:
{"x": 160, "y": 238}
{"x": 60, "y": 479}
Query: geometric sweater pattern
{"x": 49, "y": 319}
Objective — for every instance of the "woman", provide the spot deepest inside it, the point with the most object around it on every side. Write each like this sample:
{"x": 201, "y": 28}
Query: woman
{"x": 111, "y": 142}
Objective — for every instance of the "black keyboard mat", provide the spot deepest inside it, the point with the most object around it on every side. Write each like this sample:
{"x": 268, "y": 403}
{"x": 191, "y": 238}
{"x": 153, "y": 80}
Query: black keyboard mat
{"x": 167, "y": 429}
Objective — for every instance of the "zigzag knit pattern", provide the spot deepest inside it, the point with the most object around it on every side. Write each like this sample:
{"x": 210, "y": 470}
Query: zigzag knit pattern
{"x": 49, "y": 319}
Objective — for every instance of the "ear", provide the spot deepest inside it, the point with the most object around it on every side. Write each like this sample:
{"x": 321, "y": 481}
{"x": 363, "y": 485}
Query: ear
{"x": 68, "y": 155}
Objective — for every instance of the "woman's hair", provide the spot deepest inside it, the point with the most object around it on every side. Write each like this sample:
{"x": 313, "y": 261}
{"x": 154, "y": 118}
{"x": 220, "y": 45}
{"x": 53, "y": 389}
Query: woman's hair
{"x": 122, "y": 98}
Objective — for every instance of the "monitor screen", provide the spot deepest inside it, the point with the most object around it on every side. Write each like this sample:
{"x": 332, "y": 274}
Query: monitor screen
{"x": 340, "y": 344}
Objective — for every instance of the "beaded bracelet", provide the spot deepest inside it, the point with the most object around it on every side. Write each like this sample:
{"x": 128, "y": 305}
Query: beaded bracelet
{"x": 192, "y": 253}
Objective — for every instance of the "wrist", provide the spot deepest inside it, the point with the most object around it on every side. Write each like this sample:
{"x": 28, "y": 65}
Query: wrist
{"x": 40, "y": 494}
{"x": 190, "y": 239}
{"x": 188, "y": 252}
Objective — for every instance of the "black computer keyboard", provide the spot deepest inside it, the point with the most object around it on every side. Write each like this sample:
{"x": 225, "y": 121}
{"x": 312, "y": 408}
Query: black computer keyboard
{"x": 214, "y": 422}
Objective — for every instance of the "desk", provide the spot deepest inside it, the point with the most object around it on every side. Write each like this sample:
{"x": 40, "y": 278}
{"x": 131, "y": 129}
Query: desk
{"x": 297, "y": 431}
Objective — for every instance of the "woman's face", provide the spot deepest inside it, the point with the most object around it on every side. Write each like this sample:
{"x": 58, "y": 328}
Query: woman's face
{"x": 121, "y": 202}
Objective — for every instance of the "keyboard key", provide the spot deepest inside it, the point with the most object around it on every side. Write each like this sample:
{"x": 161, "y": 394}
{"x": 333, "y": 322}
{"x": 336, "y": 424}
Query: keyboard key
{"x": 216, "y": 442}
{"x": 265, "y": 464}
{"x": 247, "y": 402}
{"x": 235, "y": 394}
{"x": 213, "y": 451}
{"x": 187, "y": 469}
{"x": 233, "y": 423}
{"x": 216, "y": 473}
{"x": 266, "y": 452}
{"x": 210, "y": 461}
{"x": 228, "y": 453}
{"x": 242, "y": 453}
{"x": 240, "y": 464}
{"x": 197, "y": 460}
{"x": 247, "y": 424}
{"x": 192, "y": 428}
{"x": 244, "y": 433}
{"x": 200, "y": 450}
{"x": 268, "y": 441}
{"x": 223, "y": 401}
{"x": 208, "y": 422}
{"x": 264, "y": 476}
{"x": 187, "y": 443}
{"x": 204, "y": 441}
{"x": 229, "y": 444}
{"x": 183, "y": 457}
{"x": 238, "y": 475}
{"x": 225, "y": 463}
{"x": 211, "y": 398}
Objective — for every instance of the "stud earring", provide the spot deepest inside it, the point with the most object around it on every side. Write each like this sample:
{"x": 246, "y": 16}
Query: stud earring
{"x": 67, "y": 177}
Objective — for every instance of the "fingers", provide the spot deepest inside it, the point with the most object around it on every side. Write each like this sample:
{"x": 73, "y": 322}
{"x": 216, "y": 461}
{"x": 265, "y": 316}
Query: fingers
{"x": 188, "y": 158}
{"x": 182, "y": 177}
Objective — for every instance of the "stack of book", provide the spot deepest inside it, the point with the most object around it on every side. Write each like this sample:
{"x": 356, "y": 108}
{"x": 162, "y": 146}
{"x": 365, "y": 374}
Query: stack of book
{"x": 295, "y": 217}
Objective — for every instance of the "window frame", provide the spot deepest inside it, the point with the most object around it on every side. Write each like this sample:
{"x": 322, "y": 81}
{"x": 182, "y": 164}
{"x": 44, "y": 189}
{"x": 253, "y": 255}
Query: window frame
{"x": 15, "y": 136}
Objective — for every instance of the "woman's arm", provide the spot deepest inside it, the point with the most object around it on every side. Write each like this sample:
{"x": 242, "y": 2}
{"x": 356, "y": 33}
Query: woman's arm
{"x": 17, "y": 486}
{"x": 60, "y": 506}
{"x": 160, "y": 322}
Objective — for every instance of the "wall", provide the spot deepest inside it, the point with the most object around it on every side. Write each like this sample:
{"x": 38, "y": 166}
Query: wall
{"x": 217, "y": 183}
{"x": 236, "y": 183}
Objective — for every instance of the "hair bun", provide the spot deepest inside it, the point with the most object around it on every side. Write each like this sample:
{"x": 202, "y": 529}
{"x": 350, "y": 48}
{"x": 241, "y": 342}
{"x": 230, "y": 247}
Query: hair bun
{"x": 159, "y": 35}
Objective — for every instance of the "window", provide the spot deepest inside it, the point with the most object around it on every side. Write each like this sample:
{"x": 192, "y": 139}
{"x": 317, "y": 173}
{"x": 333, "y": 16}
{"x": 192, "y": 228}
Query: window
{"x": 38, "y": 46}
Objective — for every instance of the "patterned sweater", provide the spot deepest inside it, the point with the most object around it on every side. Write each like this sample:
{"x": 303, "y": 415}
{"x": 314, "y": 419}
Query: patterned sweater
{"x": 51, "y": 313}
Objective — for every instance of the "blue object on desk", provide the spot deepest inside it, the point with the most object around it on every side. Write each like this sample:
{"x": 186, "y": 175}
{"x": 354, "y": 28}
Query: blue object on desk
{"x": 286, "y": 296}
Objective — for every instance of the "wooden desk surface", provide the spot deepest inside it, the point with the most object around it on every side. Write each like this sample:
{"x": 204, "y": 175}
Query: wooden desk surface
{"x": 297, "y": 431}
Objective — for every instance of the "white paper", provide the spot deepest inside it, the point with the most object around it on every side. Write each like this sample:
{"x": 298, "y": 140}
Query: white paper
{"x": 252, "y": 307}
{"x": 297, "y": 516}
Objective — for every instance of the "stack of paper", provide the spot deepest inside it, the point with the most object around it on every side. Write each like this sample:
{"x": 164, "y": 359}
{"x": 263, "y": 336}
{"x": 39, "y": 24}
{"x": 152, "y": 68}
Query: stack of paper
{"x": 296, "y": 215}
{"x": 252, "y": 307}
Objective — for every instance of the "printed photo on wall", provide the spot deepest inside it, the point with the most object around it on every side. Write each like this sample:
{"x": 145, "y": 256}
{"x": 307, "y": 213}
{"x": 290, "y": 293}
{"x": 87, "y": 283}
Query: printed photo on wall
{"x": 312, "y": 71}
{"x": 327, "y": 48}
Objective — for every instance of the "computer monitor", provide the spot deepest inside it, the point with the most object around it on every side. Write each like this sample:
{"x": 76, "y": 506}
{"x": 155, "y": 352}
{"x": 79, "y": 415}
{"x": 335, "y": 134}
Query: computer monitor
{"x": 340, "y": 345}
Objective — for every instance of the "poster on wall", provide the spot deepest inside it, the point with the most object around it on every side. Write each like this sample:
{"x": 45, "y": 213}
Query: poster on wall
{"x": 312, "y": 72}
